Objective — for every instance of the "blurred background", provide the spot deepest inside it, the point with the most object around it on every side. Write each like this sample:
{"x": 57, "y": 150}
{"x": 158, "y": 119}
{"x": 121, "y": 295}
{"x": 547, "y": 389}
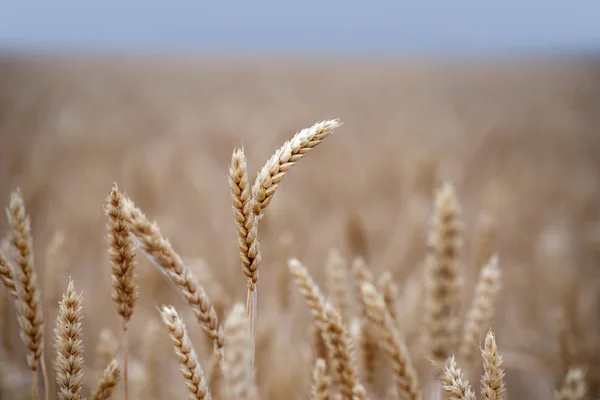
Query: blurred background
{"x": 501, "y": 99}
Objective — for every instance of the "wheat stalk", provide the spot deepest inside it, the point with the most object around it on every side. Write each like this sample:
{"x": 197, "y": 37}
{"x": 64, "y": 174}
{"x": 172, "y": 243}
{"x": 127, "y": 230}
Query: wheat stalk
{"x": 109, "y": 380}
{"x": 370, "y": 353}
{"x": 160, "y": 252}
{"x": 405, "y": 376}
{"x": 29, "y": 309}
{"x": 186, "y": 355}
{"x": 443, "y": 280}
{"x": 481, "y": 310}
{"x": 68, "y": 345}
{"x": 122, "y": 258}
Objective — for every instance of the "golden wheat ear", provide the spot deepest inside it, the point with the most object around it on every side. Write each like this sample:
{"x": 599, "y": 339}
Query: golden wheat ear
{"x": 186, "y": 355}
{"x": 492, "y": 381}
{"x": 29, "y": 308}
{"x": 443, "y": 281}
{"x": 68, "y": 345}
{"x": 454, "y": 383}
{"x": 109, "y": 380}
{"x": 122, "y": 258}
{"x": 405, "y": 376}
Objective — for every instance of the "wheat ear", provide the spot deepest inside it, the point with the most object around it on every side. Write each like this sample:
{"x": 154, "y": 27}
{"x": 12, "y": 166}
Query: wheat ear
{"x": 573, "y": 387}
{"x": 405, "y": 376}
{"x": 29, "y": 310}
{"x": 481, "y": 310}
{"x": 443, "y": 280}
{"x": 238, "y": 373}
{"x": 320, "y": 381}
{"x": 492, "y": 380}
{"x": 186, "y": 355}
{"x": 109, "y": 380}
{"x": 314, "y": 300}
{"x": 328, "y": 322}
{"x": 122, "y": 258}
{"x": 370, "y": 353}
{"x": 454, "y": 382}
{"x": 68, "y": 345}
{"x": 160, "y": 252}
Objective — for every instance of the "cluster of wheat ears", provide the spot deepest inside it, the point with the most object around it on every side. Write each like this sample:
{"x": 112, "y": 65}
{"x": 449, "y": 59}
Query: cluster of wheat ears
{"x": 354, "y": 356}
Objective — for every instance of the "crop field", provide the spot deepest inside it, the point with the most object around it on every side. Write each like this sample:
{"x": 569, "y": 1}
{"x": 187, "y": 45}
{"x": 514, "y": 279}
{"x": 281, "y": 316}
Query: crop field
{"x": 442, "y": 215}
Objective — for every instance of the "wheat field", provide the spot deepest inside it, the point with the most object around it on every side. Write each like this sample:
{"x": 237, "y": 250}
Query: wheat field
{"x": 438, "y": 170}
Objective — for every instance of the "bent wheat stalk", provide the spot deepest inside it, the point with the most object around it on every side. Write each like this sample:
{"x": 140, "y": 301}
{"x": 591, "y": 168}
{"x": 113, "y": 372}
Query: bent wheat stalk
{"x": 160, "y": 252}
{"x": 249, "y": 205}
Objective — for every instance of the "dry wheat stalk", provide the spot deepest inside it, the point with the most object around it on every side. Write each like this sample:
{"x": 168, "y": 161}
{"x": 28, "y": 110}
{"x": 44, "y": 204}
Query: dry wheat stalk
{"x": 122, "y": 258}
{"x": 314, "y": 300}
{"x": 443, "y": 281}
{"x": 370, "y": 353}
{"x": 238, "y": 373}
{"x": 341, "y": 352}
{"x": 337, "y": 280}
{"x": 320, "y": 381}
{"x": 186, "y": 355}
{"x": 405, "y": 376}
{"x": 29, "y": 309}
{"x": 245, "y": 220}
{"x": 481, "y": 310}
{"x": 160, "y": 252}
{"x": 68, "y": 345}
{"x": 492, "y": 380}
{"x": 573, "y": 387}
{"x": 109, "y": 380}
{"x": 454, "y": 382}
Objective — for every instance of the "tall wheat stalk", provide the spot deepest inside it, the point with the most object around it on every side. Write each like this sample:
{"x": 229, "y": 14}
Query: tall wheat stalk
{"x": 29, "y": 308}
{"x": 250, "y": 203}
{"x": 122, "y": 258}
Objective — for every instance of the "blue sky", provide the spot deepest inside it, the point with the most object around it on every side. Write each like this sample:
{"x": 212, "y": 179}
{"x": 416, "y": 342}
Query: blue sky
{"x": 307, "y": 25}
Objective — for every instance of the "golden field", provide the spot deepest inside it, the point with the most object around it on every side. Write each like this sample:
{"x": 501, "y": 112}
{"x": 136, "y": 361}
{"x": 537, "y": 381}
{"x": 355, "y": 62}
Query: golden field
{"x": 518, "y": 140}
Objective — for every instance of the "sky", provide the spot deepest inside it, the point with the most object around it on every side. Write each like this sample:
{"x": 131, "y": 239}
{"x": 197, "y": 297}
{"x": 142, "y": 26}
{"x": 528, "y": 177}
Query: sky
{"x": 296, "y": 26}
